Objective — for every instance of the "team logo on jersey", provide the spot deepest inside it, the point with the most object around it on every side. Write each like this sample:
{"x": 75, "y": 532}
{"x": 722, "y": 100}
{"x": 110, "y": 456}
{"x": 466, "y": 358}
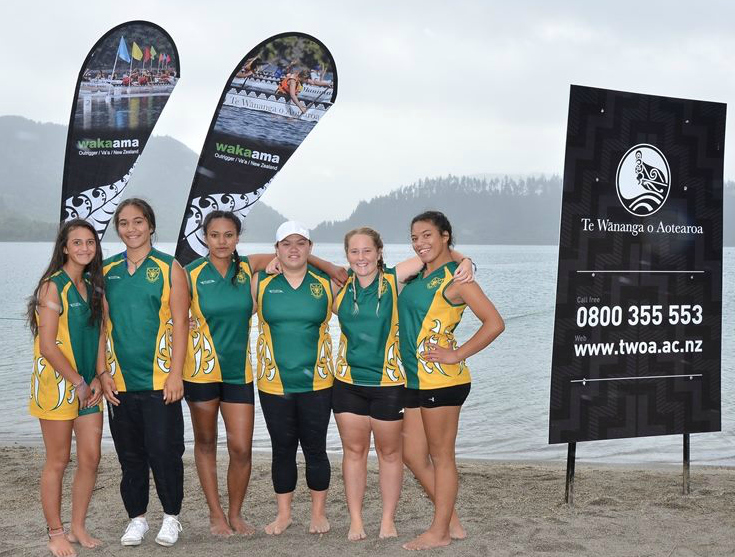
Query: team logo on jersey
{"x": 317, "y": 290}
{"x": 241, "y": 276}
{"x": 152, "y": 274}
{"x": 436, "y": 282}
{"x": 643, "y": 180}
{"x": 383, "y": 287}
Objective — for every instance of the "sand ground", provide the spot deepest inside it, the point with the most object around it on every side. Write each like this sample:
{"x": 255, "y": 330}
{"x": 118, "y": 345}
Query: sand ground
{"x": 507, "y": 508}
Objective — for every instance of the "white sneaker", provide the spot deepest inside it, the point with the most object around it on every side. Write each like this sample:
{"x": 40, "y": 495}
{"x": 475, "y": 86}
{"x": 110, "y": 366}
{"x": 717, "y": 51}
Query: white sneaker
{"x": 169, "y": 532}
{"x": 135, "y": 532}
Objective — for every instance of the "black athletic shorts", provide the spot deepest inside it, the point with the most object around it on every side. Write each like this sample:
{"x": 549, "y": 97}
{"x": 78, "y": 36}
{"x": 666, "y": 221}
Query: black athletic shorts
{"x": 433, "y": 398}
{"x": 225, "y": 392}
{"x": 380, "y": 403}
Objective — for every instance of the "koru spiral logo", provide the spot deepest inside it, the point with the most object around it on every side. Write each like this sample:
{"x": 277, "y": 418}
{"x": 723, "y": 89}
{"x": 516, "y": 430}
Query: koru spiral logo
{"x": 643, "y": 180}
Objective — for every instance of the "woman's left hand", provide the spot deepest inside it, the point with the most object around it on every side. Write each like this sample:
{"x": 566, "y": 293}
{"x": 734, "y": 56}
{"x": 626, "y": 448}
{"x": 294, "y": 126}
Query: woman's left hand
{"x": 338, "y": 275}
{"x": 465, "y": 272}
{"x": 274, "y": 267}
{"x": 173, "y": 389}
{"x": 436, "y": 353}
{"x": 95, "y": 393}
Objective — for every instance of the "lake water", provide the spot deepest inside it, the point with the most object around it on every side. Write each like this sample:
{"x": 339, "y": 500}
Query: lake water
{"x": 506, "y": 415}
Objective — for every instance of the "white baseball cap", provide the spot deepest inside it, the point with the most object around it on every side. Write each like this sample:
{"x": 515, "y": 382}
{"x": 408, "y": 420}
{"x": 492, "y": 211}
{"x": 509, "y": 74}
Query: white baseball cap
{"x": 291, "y": 227}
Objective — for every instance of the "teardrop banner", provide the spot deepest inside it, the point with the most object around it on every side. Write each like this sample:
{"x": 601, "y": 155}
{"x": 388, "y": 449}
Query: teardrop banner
{"x": 121, "y": 90}
{"x": 272, "y": 100}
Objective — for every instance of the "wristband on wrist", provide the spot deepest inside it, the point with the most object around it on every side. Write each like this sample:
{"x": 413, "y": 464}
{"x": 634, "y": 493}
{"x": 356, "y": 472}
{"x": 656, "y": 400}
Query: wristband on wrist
{"x": 101, "y": 373}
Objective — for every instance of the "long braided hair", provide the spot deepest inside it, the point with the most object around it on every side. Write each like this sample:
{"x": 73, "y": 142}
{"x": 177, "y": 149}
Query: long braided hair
{"x": 232, "y": 217}
{"x": 378, "y": 243}
{"x": 92, "y": 271}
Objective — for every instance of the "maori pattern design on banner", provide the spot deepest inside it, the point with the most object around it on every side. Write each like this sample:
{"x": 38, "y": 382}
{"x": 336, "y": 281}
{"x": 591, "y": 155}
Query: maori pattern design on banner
{"x": 637, "y": 332}
{"x": 200, "y": 207}
{"x": 96, "y": 205}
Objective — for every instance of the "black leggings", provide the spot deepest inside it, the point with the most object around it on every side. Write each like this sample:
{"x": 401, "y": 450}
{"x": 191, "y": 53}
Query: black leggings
{"x": 294, "y": 418}
{"x": 148, "y": 434}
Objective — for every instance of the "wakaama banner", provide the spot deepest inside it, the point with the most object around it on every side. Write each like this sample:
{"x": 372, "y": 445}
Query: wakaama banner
{"x": 637, "y": 333}
{"x": 272, "y": 100}
{"x": 122, "y": 88}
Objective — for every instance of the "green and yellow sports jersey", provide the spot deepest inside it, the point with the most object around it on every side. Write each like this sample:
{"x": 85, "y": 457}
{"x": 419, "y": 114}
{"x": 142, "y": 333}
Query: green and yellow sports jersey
{"x": 218, "y": 348}
{"x": 426, "y": 316}
{"x": 368, "y": 352}
{"x": 140, "y": 327}
{"x": 294, "y": 346}
{"x": 52, "y": 396}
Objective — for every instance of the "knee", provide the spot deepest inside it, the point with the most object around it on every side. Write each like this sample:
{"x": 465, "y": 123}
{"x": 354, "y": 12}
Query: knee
{"x": 355, "y": 451}
{"x": 206, "y": 445}
{"x": 240, "y": 453}
{"x": 88, "y": 460}
{"x": 442, "y": 456}
{"x": 415, "y": 461}
{"x": 57, "y": 464}
{"x": 390, "y": 454}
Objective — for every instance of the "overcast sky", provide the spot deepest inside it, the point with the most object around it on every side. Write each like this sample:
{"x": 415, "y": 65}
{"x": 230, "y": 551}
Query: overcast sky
{"x": 425, "y": 88}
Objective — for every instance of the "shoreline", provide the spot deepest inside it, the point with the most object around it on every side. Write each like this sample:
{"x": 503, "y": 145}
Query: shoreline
{"x": 508, "y": 508}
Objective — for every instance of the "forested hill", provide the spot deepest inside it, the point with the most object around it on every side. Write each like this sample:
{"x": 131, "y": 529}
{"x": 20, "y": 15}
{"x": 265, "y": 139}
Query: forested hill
{"x": 482, "y": 211}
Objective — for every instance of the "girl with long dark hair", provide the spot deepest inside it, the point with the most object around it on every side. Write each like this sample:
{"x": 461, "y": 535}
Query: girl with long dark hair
{"x": 65, "y": 317}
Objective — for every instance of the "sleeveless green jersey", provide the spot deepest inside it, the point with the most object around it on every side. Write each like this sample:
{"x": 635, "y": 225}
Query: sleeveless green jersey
{"x": 426, "y": 316}
{"x": 294, "y": 346}
{"x": 218, "y": 348}
{"x": 52, "y": 396}
{"x": 368, "y": 348}
{"x": 140, "y": 327}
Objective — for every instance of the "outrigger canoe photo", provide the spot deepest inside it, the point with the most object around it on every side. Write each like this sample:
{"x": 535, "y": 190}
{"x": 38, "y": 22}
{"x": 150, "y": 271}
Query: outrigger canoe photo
{"x": 127, "y": 79}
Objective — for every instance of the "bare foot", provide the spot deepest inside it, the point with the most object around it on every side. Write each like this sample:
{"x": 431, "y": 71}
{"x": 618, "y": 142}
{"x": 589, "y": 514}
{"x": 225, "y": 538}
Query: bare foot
{"x": 427, "y": 540}
{"x": 456, "y": 530}
{"x": 278, "y": 526}
{"x": 218, "y": 527}
{"x": 240, "y": 526}
{"x": 60, "y": 546}
{"x": 388, "y": 530}
{"x": 81, "y": 536}
{"x": 356, "y": 533}
{"x": 320, "y": 525}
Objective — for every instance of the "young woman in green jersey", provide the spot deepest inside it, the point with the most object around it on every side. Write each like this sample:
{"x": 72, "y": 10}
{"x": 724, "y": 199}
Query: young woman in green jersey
{"x": 218, "y": 376}
{"x": 295, "y": 372}
{"x": 368, "y": 393}
{"x": 65, "y": 316}
{"x": 437, "y": 379}
{"x": 147, "y": 332}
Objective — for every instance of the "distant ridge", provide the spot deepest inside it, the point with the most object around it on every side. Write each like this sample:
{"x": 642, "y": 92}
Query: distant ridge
{"x": 484, "y": 208}
{"x": 32, "y": 159}
{"x": 482, "y": 211}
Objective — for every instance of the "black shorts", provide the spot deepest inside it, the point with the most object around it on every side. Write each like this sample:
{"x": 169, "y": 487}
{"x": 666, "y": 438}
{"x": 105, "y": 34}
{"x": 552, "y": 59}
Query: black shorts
{"x": 225, "y": 392}
{"x": 433, "y": 398}
{"x": 380, "y": 403}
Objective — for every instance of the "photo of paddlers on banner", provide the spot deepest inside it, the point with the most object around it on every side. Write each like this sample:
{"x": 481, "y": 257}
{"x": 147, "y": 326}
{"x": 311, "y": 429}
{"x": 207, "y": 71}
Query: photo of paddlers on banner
{"x": 121, "y": 91}
{"x": 272, "y": 100}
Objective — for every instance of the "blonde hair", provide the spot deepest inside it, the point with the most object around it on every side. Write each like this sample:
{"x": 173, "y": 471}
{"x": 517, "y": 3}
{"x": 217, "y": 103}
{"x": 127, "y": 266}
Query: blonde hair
{"x": 378, "y": 243}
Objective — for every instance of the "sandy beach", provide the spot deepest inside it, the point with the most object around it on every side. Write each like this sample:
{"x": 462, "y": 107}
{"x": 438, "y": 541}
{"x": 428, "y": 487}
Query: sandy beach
{"x": 507, "y": 508}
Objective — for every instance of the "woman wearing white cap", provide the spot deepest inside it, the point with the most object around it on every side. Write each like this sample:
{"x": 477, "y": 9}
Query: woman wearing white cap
{"x": 294, "y": 373}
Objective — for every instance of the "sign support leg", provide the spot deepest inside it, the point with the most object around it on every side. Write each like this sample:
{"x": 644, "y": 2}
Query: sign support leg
{"x": 571, "y": 456}
{"x": 685, "y": 483}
